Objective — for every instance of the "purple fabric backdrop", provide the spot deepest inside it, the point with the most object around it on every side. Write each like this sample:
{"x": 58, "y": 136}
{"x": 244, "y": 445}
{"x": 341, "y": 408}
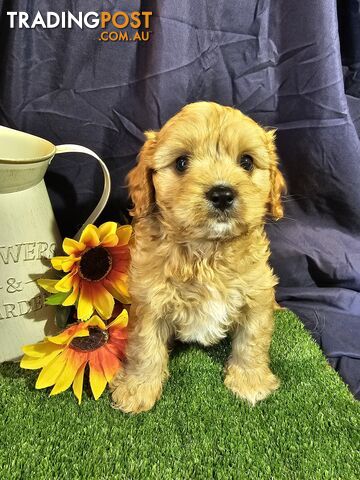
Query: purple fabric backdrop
{"x": 279, "y": 62}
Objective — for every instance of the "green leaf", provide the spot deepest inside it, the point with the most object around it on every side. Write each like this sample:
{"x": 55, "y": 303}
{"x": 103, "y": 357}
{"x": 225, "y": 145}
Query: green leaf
{"x": 57, "y": 298}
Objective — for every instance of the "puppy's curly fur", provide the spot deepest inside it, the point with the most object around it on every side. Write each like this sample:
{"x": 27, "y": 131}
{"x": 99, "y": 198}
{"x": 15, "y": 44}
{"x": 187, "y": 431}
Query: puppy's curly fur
{"x": 197, "y": 271}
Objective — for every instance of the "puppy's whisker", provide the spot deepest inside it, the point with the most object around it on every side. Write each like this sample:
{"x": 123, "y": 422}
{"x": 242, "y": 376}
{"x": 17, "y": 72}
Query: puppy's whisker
{"x": 295, "y": 197}
{"x": 272, "y": 221}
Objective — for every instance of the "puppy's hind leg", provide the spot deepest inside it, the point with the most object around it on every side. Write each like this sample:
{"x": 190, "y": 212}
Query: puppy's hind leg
{"x": 138, "y": 385}
{"x": 248, "y": 373}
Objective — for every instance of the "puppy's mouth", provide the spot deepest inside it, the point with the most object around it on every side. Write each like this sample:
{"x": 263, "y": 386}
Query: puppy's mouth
{"x": 220, "y": 229}
{"x": 221, "y": 224}
{"x": 226, "y": 216}
{"x": 224, "y": 223}
{"x": 221, "y": 216}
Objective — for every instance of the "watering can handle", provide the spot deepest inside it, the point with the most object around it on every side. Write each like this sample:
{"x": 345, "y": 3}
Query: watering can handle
{"x": 107, "y": 182}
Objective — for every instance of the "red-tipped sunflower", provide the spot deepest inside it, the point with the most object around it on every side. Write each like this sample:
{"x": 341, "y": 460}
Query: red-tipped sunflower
{"x": 63, "y": 358}
{"x": 96, "y": 268}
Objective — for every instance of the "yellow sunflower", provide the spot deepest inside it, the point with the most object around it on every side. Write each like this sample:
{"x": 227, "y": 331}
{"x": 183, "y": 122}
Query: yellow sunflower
{"x": 63, "y": 358}
{"x": 96, "y": 268}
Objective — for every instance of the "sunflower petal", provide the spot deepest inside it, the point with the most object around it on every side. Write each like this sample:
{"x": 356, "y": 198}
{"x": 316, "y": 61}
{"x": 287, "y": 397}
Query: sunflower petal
{"x": 66, "y": 283}
{"x": 120, "y": 321}
{"x": 110, "y": 241}
{"x": 107, "y": 228}
{"x": 57, "y": 262}
{"x": 63, "y": 338}
{"x": 74, "y": 360}
{"x": 85, "y": 304}
{"x": 118, "y": 290}
{"x": 121, "y": 260}
{"x": 97, "y": 378}
{"x": 96, "y": 321}
{"x": 118, "y": 277}
{"x": 64, "y": 263}
{"x": 117, "y": 348}
{"x": 118, "y": 334}
{"x": 107, "y": 234}
{"x": 103, "y": 300}
{"x": 30, "y": 363}
{"x": 121, "y": 253}
{"x": 110, "y": 364}
{"x": 124, "y": 233}
{"x": 38, "y": 350}
{"x": 90, "y": 236}
{"x": 71, "y": 299}
{"x": 78, "y": 382}
{"x": 47, "y": 284}
{"x": 50, "y": 373}
{"x": 120, "y": 266}
{"x": 68, "y": 265}
{"x": 71, "y": 246}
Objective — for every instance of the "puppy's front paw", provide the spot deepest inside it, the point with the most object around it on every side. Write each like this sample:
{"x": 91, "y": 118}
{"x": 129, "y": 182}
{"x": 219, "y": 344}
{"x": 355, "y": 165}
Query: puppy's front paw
{"x": 133, "y": 394}
{"x": 251, "y": 385}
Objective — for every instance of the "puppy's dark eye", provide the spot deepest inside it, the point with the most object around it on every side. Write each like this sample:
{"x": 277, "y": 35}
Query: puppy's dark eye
{"x": 246, "y": 162}
{"x": 182, "y": 163}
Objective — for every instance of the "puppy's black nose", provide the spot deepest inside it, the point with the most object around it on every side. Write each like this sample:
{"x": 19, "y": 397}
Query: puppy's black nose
{"x": 221, "y": 197}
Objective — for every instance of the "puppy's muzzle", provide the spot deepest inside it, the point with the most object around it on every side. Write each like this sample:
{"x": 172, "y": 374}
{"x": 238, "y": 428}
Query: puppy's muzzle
{"x": 221, "y": 197}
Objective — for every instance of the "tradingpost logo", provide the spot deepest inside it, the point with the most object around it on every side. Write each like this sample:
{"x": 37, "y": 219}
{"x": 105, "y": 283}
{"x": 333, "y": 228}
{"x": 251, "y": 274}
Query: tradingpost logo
{"x": 117, "y": 26}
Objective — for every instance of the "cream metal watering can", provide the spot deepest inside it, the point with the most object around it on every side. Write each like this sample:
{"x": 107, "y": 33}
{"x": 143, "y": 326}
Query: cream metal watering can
{"x": 28, "y": 236}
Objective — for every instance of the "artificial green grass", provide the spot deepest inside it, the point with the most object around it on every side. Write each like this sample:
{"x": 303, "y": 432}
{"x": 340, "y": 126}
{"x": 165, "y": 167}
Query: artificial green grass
{"x": 308, "y": 430}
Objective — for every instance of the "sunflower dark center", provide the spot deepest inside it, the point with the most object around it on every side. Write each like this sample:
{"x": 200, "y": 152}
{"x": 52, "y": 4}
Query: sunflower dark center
{"x": 96, "y": 339}
{"x": 95, "y": 264}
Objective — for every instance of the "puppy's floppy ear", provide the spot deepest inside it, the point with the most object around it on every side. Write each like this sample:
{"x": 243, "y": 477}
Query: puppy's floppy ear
{"x": 139, "y": 179}
{"x": 278, "y": 185}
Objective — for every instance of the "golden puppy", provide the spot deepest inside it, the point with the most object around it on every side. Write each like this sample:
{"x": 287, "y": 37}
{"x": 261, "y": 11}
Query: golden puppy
{"x": 201, "y": 190}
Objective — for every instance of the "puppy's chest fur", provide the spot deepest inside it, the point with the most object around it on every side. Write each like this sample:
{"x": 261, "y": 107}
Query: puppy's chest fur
{"x": 204, "y": 313}
{"x": 200, "y": 299}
